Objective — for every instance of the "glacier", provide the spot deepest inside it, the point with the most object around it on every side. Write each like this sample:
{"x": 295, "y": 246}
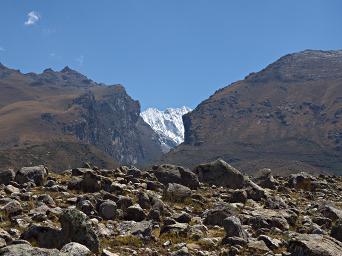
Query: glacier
{"x": 168, "y": 124}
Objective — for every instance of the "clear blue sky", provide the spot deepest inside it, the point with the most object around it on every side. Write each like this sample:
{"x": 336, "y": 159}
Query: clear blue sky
{"x": 167, "y": 53}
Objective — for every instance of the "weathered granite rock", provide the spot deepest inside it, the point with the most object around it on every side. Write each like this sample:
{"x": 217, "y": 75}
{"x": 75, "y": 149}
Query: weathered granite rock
{"x": 314, "y": 245}
{"x": 75, "y": 249}
{"x": 167, "y": 173}
{"x": 43, "y": 236}
{"x": 216, "y": 215}
{"x": 220, "y": 173}
{"x": 27, "y": 250}
{"x": 233, "y": 228}
{"x": 176, "y": 192}
{"x": 35, "y": 174}
{"x": 75, "y": 228}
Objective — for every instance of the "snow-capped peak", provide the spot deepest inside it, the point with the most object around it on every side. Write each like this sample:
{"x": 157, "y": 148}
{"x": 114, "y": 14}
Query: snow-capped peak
{"x": 168, "y": 124}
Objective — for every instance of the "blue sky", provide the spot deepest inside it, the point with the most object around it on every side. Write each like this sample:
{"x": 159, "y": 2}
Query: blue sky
{"x": 167, "y": 53}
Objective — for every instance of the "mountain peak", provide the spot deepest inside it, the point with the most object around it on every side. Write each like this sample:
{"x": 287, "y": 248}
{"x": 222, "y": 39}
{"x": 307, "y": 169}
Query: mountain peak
{"x": 303, "y": 66}
{"x": 168, "y": 124}
{"x": 66, "y": 69}
{"x": 48, "y": 70}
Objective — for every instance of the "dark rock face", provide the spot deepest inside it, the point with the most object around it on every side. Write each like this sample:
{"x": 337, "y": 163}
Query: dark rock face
{"x": 221, "y": 174}
{"x": 286, "y": 117}
{"x": 128, "y": 141}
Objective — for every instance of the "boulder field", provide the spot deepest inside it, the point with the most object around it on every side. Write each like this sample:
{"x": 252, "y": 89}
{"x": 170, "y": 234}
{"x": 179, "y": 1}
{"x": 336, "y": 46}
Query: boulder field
{"x": 213, "y": 209}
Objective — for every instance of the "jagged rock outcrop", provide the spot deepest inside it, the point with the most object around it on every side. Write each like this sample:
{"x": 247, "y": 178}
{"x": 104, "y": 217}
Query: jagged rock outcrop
{"x": 286, "y": 117}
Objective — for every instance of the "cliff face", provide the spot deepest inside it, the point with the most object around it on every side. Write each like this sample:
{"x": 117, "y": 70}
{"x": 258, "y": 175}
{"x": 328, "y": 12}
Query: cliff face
{"x": 67, "y": 107}
{"x": 287, "y": 116}
{"x": 110, "y": 120}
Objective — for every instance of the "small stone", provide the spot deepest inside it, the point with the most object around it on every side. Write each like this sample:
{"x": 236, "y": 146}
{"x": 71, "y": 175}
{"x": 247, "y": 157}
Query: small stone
{"x": 9, "y": 189}
{"x": 135, "y": 212}
{"x": 13, "y": 208}
{"x": 108, "y": 209}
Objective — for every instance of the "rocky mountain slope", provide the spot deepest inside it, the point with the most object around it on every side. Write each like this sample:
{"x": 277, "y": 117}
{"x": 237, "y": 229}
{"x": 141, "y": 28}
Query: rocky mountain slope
{"x": 67, "y": 113}
{"x": 167, "y": 124}
{"x": 287, "y": 116}
{"x": 214, "y": 210}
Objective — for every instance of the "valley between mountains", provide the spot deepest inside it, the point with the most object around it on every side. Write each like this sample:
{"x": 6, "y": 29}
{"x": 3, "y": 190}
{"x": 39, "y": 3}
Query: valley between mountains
{"x": 255, "y": 169}
{"x": 286, "y": 117}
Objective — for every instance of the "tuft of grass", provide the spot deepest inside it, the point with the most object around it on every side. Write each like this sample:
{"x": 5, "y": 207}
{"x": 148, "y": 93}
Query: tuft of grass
{"x": 128, "y": 240}
{"x": 174, "y": 238}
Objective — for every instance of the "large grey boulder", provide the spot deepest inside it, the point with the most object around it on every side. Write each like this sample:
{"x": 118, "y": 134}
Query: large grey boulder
{"x": 75, "y": 228}
{"x": 302, "y": 181}
{"x": 314, "y": 245}
{"x": 167, "y": 173}
{"x": 6, "y": 176}
{"x": 142, "y": 229}
{"x": 35, "y": 174}
{"x": 217, "y": 214}
{"x": 233, "y": 228}
{"x": 265, "y": 179}
{"x": 176, "y": 192}
{"x": 46, "y": 237}
{"x": 220, "y": 173}
{"x": 27, "y": 250}
{"x": 331, "y": 212}
{"x": 91, "y": 182}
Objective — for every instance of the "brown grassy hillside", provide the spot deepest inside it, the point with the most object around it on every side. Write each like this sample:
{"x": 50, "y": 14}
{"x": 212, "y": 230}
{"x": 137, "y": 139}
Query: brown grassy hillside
{"x": 40, "y": 110}
{"x": 287, "y": 114}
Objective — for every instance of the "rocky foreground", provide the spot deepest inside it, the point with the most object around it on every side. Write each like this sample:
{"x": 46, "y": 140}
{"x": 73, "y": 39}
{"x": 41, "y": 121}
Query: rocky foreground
{"x": 169, "y": 210}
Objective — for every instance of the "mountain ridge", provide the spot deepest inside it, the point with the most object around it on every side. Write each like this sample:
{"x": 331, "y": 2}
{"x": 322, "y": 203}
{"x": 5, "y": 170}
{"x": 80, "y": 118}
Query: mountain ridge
{"x": 67, "y": 107}
{"x": 285, "y": 114}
